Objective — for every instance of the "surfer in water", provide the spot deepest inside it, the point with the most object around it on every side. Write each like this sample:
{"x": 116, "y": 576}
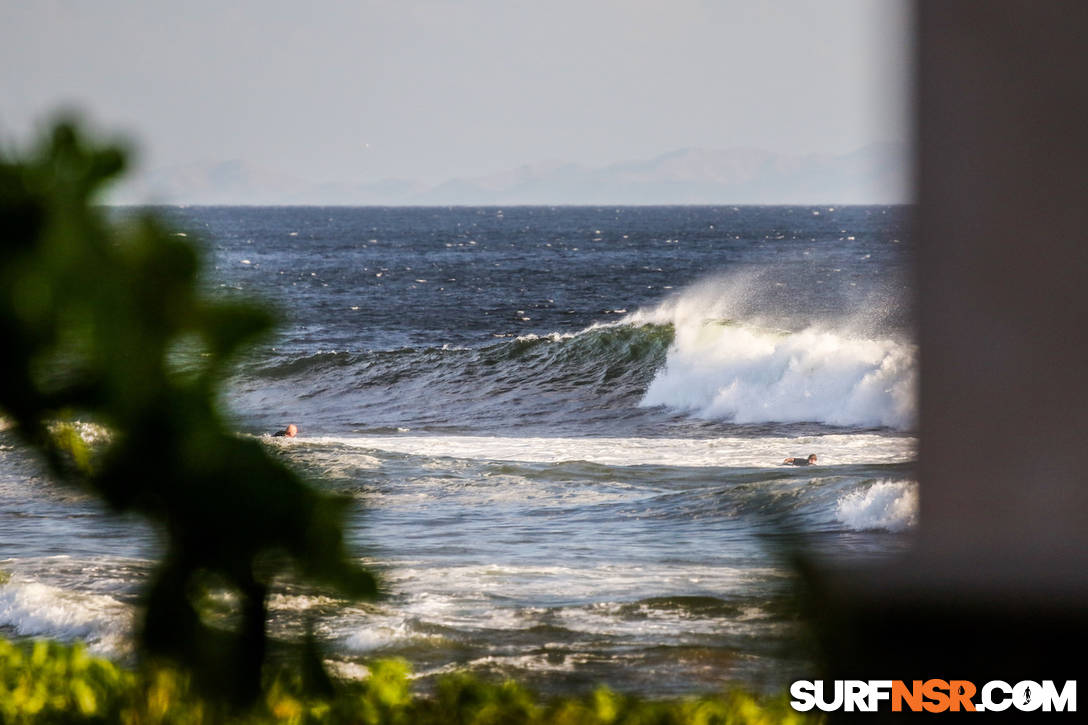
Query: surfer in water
{"x": 289, "y": 432}
{"x": 810, "y": 461}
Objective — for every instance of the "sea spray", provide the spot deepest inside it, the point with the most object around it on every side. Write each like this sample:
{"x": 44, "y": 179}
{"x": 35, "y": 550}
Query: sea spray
{"x": 886, "y": 505}
{"x": 728, "y": 363}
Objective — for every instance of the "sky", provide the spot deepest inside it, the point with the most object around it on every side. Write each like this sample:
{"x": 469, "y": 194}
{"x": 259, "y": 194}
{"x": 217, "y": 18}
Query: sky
{"x": 433, "y": 89}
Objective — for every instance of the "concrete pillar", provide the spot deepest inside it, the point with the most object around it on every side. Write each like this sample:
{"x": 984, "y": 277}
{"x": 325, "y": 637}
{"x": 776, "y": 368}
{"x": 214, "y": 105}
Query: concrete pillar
{"x": 997, "y": 586}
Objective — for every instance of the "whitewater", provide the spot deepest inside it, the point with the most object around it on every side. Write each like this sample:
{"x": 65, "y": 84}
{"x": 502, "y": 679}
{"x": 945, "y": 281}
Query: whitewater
{"x": 562, "y": 431}
{"x": 727, "y": 367}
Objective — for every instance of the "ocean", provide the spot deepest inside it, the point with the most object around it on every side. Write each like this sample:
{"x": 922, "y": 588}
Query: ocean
{"x": 563, "y": 430}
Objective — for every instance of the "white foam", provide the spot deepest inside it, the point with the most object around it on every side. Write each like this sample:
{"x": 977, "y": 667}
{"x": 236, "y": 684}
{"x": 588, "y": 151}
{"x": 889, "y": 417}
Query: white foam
{"x": 676, "y": 626}
{"x": 551, "y": 336}
{"x": 483, "y": 598}
{"x": 543, "y": 662}
{"x": 834, "y": 449}
{"x": 748, "y": 375}
{"x": 378, "y": 633}
{"x": 91, "y": 433}
{"x": 533, "y": 662}
{"x": 298, "y": 603}
{"x": 348, "y": 670}
{"x": 886, "y": 505}
{"x": 493, "y": 491}
{"x": 443, "y": 592}
{"x": 32, "y": 608}
{"x": 729, "y": 363}
{"x": 477, "y": 598}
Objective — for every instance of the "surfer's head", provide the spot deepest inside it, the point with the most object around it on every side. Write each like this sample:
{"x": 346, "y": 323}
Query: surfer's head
{"x": 292, "y": 430}
{"x": 811, "y": 458}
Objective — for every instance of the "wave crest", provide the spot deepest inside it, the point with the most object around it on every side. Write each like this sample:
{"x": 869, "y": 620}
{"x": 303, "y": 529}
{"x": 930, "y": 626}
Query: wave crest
{"x": 750, "y": 371}
{"x": 887, "y": 505}
{"x": 31, "y": 608}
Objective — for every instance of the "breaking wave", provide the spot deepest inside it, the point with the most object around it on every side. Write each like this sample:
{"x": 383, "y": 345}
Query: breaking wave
{"x": 726, "y": 349}
{"x": 886, "y": 505}
{"x": 31, "y": 608}
{"x": 729, "y": 362}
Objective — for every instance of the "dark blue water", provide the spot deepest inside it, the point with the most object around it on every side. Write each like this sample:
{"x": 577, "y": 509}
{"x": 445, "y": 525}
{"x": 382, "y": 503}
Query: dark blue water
{"x": 373, "y": 299}
{"x": 563, "y": 428}
{"x": 524, "y": 270}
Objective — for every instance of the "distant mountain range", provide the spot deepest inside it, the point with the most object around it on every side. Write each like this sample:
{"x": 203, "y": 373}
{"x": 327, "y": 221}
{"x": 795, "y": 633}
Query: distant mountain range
{"x": 873, "y": 175}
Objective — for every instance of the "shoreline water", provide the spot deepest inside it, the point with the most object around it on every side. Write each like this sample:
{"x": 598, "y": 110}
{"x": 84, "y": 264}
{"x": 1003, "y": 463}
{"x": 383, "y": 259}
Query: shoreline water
{"x": 561, "y": 430}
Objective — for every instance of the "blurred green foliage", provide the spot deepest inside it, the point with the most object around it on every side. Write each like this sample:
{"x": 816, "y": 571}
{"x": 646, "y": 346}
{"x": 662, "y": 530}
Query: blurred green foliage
{"x": 46, "y": 682}
{"x": 104, "y": 322}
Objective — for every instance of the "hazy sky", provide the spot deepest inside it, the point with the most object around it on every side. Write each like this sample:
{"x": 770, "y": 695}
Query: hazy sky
{"x": 364, "y": 90}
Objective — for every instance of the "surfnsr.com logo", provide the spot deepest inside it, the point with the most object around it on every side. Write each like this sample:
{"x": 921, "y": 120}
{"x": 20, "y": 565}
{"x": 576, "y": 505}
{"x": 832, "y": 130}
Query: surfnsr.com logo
{"x": 932, "y": 696}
